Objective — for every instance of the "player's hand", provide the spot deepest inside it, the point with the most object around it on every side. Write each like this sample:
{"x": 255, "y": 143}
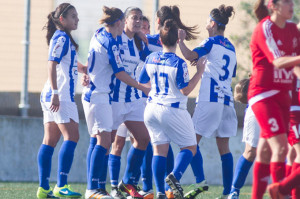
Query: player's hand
{"x": 181, "y": 34}
{"x": 85, "y": 80}
{"x": 143, "y": 37}
{"x": 54, "y": 103}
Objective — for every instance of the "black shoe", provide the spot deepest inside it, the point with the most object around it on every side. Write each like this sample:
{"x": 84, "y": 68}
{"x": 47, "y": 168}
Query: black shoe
{"x": 161, "y": 196}
{"x": 175, "y": 186}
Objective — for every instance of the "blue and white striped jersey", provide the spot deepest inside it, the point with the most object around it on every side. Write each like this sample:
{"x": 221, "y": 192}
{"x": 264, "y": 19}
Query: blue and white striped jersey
{"x": 131, "y": 57}
{"x": 168, "y": 74}
{"x": 219, "y": 70}
{"x": 62, "y": 51}
{"x": 154, "y": 43}
{"x": 104, "y": 61}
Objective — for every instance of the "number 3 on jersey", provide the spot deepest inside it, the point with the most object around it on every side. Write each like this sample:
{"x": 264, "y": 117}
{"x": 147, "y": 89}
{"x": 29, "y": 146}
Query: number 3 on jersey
{"x": 161, "y": 83}
{"x": 225, "y": 68}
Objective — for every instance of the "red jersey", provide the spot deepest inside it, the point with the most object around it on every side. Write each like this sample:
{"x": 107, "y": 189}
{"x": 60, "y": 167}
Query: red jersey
{"x": 268, "y": 43}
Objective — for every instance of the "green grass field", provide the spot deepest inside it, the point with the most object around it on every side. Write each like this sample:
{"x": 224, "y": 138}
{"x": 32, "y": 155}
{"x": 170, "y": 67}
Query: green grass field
{"x": 27, "y": 190}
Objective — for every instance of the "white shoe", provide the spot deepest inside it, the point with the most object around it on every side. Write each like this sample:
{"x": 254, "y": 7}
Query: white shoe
{"x": 116, "y": 193}
{"x": 97, "y": 194}
{"x": 233, "y": 195}
{"x": 147, "y": 194}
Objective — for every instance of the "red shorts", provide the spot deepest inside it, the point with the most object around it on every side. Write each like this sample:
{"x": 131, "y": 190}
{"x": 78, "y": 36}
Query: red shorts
{"x": 294, "y": 131}
{"x": 272, "y": 114}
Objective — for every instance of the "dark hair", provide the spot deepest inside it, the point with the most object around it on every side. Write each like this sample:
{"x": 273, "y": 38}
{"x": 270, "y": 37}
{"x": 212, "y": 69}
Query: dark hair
{"x": 146, "y": 19}
{"x": 111, "y": 16}
{"x": 261, "y": 10}
{"x": 172, "y": 12}
{"x": 54, "y": 23}
{"x": 137, "y": 40}
{"x": 241, "y": 91}
{"x": 169, "y": 33}
{"x": 221, "y": 15}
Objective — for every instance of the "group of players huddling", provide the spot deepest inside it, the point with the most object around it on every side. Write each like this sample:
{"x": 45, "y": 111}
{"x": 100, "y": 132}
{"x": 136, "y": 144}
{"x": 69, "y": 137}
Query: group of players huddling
{"x": 136, "y": 86}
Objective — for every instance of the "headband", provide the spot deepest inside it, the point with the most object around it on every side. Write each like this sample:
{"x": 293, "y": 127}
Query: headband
{"x": 64, "y": 10}
{"x": 111, "y": 23}
{"x": 219, "y": 23}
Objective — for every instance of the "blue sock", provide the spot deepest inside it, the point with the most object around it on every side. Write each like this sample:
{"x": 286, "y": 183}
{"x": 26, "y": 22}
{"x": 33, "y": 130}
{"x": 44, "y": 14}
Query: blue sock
{"x": 146, "y": 169}
{"x": 182, "y": 161}
{"x": 114, "y": 165}
{"x": 97, "y": 159}
{"x": 103, "y": 173}
{"x": 227, "y": 172}
{"x": 170, "y": 165}
{"x": 134, "y": 162}
{"x": 65, "y": 160}
{"x": 240, "y": 174}
{"x": 197, "y": 166}
{"x": 44, "y": 159}
{"x": 159, "y": 170}
{"x": 93, "y": 142}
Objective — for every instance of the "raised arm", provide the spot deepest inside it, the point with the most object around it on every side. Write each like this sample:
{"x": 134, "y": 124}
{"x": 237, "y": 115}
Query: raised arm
{"x": 187, "y": 53}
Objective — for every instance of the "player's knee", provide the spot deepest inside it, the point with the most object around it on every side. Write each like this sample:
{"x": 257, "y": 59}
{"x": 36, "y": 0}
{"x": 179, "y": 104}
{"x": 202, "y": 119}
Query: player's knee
{"x": 250, "y": 154}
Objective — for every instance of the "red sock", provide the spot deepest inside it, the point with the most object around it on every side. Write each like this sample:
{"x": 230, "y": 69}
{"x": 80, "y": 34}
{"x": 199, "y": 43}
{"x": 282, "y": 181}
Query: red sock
{"x": 277, "y": 171}
{"x": 290, "y": 182}
{"x": 261, "y": 173}
{"x": 288, "y": 170}
{"x": 296, "y": 190}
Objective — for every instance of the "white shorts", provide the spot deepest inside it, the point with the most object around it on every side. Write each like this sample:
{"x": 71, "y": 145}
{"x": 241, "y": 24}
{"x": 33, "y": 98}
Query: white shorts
{"x": 166, "y": 124}
{"x": 123, "y": 131}
{"x": 66, "y": 111}
{"x": 98, "y": 115}
{"x": 251, "y": 128}
{"x": 127, "y": 111}
{"x": 213, "y": 119}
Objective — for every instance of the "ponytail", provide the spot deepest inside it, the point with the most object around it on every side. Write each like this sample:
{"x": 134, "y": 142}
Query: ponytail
{"x": 53, "y": 22}
{"x": 260, "y": 10}
{"x": 169, "y": 33}
{"x": 173, "y": 12}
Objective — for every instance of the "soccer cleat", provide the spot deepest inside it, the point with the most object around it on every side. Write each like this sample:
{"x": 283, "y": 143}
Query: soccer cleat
{"x": 147, "y": 194}
{"x": 196, "y": 189}
{"x": 169, "y": 194}
{"x": 42, "y": 193}
{"x": 233, "y": 195}
{"x": 273, "y": 190}
{"x": 97, "y": 194}
{"x": 116, "y": 193}
{"x": 130, "y": 190}
{"x": 161, "y": 196}
{"x": 175, "y": 186}
{"x": 65, "y": 192}
{"x": 222, "y": 197}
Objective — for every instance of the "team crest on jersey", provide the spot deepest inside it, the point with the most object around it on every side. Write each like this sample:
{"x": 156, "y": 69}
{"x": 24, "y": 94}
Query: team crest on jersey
{"x": 57, "y": 49}
{"x": 186, "y": 77}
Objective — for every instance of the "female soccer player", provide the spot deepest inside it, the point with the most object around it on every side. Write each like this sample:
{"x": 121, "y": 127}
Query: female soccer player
{"x": 215, "y": 98}
{"x": 250, "y": 137}
{"x": 104, "y": 65}
{"x": 275, "y": 50}
{"x": 166, "y": 116}
{"x": 57, "y": 100}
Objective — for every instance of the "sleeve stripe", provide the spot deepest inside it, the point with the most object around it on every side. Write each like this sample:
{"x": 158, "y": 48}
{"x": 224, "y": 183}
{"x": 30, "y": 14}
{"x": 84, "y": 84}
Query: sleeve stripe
{"x": 271, "y": 43}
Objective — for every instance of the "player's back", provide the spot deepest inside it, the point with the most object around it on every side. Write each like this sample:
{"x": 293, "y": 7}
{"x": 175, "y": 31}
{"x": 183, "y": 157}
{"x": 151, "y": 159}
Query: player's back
{"x": 219, "y": 71}
{"x": 168, "y": 74}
